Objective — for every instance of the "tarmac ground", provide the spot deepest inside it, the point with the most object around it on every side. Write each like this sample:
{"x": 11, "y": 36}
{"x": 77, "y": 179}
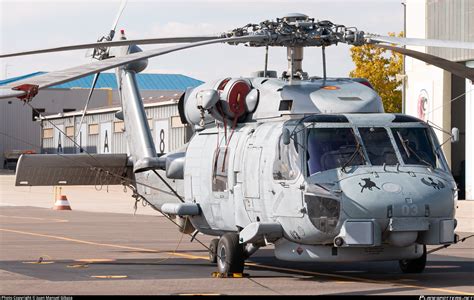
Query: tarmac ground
{"x": 75, "y": 252}
{"x": 91, "y": 251}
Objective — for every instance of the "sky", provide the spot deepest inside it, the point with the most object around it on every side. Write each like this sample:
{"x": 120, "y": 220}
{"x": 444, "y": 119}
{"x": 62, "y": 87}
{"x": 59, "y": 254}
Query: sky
{"x": 26, "y": 25}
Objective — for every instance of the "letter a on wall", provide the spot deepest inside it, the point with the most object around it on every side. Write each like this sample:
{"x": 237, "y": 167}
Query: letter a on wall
{"x": 105, "y": 143}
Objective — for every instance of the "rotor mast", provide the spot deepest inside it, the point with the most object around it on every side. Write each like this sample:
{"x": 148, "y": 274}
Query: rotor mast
{"x": 295, "y": 64}
{"x": 295, "y": 53}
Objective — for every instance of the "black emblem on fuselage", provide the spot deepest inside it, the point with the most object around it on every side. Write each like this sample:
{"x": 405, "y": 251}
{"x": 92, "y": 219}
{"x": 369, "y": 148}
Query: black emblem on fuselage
{"x": 368, "y": 184}
{"x": 430, "y": 182}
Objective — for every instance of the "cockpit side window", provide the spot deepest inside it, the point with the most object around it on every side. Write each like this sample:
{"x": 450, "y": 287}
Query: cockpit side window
{"x": 378, "y": 146}
{"x": 286, "y": 164}
{"x": 415, "y": 146}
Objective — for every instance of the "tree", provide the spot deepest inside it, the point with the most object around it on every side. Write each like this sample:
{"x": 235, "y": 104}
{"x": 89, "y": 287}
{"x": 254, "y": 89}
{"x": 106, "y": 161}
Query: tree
{"x": 380, "y": 68}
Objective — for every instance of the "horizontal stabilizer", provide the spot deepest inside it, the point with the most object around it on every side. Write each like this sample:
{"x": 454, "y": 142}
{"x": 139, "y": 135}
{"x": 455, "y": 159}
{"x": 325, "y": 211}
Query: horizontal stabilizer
{"x": 72, "y": 169}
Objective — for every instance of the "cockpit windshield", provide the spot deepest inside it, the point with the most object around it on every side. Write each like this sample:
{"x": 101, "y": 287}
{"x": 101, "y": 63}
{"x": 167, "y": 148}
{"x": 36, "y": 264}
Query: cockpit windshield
{"x": 378, "y": 146}
{"x": 415, "y": 146}
{"x": 343, "y": 147}
{"x": 330, "y": 148}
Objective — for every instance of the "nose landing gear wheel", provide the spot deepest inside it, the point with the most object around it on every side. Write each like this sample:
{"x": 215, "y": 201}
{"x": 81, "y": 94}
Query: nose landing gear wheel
{"x": 230, "y": 254}
{"x": 416, "y": 265}
{"x": 213, "y": 250}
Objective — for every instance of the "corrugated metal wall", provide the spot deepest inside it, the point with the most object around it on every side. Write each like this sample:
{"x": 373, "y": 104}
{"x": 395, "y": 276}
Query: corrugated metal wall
{"x": 450, "y": 20}
{"x": 93, "y": 141}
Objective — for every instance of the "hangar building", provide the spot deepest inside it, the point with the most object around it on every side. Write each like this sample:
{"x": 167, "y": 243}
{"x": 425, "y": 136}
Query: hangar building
{"x": 437, "y": 96}
{"x": 22, "y": 130}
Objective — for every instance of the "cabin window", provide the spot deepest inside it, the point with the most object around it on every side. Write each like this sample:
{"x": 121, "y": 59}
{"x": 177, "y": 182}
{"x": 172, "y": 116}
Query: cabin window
{"x": 378, "y": 146}
{"x": 219, "y": 173}
{"x": 285, "y": 166}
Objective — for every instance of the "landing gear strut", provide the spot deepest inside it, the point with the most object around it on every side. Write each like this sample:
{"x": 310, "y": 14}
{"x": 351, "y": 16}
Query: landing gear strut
{"x": 230, "y": 254}
{"x": 416, "y": 265}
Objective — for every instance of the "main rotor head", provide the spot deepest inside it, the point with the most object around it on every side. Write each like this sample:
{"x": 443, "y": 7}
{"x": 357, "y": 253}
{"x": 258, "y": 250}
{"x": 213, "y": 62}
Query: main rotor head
{"x": 298, "y": 30}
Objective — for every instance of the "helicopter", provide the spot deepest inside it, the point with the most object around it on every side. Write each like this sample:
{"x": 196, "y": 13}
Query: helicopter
{"x": 310, "y": 165}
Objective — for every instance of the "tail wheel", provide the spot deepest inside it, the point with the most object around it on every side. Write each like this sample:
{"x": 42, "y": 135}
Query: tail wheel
{"x": 230, "y": 254}
{"x": 213, "y": 250}
{"x": 414, "y": 265}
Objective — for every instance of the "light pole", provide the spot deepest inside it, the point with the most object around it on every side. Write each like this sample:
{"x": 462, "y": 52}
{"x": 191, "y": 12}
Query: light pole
{"x": 403, "y": 67}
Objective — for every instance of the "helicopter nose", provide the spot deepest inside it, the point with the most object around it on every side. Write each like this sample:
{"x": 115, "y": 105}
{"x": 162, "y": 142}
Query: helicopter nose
{"x": 400, "y": 205}
{"x": 386, "y": 195}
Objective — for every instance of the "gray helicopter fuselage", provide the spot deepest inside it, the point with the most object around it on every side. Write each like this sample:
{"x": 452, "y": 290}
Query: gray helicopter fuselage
{"x": 383, "y": 205}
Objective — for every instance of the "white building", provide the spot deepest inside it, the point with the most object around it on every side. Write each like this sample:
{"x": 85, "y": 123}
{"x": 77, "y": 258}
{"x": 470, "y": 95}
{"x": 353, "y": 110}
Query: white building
{"x": 437, "y": 96}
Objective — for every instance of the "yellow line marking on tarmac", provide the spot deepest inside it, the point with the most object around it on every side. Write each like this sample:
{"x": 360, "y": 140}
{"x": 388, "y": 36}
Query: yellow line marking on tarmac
{"x": 95, "y": 260}
{"x": 109, "y": 276}
{"x": 33, "y": 218}
{"x": 76, "y": 241}
{"x": 42, "y": 260}
{"x": 190, "y": 256}
{"x": 78, "y": 266}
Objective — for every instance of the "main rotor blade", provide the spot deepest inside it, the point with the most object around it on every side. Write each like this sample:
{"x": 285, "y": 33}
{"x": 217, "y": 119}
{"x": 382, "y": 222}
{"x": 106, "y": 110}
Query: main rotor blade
{"x": 420, "y": 42}
{"x": 58, "y": 77}
{"x": 169, "y": 40}
{"x": 114, "y": 25}
{"x": 453, "y": 67}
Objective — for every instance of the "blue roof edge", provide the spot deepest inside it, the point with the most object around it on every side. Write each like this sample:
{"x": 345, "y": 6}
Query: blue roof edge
{"x": 146, "y": 81}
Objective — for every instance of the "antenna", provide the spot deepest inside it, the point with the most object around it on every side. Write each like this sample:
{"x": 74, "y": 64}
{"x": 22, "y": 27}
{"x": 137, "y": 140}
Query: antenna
{"x": 324, "y": 62}
{"x": 266, "y": 62}
{"x": 291, "y": 62}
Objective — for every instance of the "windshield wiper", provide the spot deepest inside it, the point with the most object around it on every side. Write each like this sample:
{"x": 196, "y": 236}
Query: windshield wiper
{"x": 405, "y": 147}
{"x": 357, "y": 151}
{"x": 408, "y": 149}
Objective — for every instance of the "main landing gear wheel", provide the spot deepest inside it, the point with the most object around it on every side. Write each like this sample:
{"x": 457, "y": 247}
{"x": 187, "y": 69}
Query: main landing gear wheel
{"x": 414, "y": 265}
{"x": 213, "y": 250}
{"x": 230, "y": 254}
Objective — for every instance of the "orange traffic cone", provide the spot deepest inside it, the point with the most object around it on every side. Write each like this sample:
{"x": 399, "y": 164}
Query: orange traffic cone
{"x": 62, "y": 203}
